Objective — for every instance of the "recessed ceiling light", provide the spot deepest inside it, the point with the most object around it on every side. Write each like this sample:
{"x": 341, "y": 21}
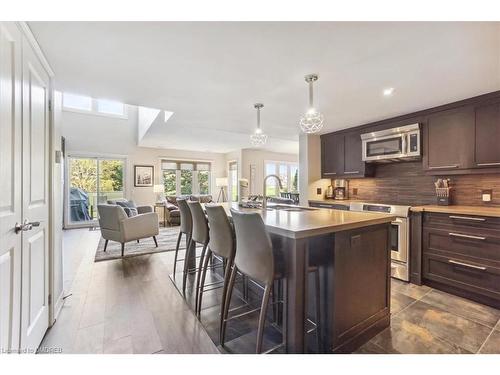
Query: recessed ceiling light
{"x": 388, "y": 91}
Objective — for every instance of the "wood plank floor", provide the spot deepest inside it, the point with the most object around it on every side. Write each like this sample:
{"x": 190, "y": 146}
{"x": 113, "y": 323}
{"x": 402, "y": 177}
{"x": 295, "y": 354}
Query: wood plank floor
{"x": 122, "y": 306}
{"x": 131, "y": 306}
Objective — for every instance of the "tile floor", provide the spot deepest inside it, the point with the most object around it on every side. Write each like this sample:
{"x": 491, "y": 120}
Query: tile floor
{"x": 131, "y": 306}
{"x": 429, "y": 321}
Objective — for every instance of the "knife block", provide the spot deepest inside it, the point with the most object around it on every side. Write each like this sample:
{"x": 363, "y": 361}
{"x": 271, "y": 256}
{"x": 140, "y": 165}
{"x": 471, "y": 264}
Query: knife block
{"x": 443, "y": 196}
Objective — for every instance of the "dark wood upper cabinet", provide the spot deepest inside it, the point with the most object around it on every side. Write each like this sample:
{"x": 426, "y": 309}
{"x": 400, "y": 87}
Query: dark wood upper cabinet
{"x": 332, "y": 155}
{"x": 342, "y": 156}
{"x": 457, "y": 138}
{"x": 448, "y": 140}
{"x": 353, "y": 164}
{"x": 487, "y": 137}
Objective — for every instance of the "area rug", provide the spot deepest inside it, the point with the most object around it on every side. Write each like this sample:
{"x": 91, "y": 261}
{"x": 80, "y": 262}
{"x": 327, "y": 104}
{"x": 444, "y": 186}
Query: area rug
{"x": 167, "y": 240}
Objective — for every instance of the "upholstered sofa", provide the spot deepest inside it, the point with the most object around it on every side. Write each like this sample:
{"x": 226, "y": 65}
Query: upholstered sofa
{"x": 173, "y": 213}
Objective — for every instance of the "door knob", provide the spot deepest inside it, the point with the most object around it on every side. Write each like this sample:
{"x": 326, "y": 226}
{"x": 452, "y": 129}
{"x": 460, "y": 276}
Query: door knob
{"x": 25, "y": 226}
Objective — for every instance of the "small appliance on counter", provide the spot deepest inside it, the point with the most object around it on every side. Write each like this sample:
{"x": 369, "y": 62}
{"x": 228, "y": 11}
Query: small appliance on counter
{"x": 329, "y": 194}
{"x": 443, "y": 191}
{"x": 341, "y": 189}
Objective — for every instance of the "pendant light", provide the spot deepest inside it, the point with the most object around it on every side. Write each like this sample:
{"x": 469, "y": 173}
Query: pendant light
{"x": 258, "y": 138}
{"x": 312, "y": 120}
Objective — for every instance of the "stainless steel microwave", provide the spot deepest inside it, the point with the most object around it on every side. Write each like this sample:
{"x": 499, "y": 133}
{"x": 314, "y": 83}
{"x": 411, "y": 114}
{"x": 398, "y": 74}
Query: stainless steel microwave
{"x": 402, "y": 143}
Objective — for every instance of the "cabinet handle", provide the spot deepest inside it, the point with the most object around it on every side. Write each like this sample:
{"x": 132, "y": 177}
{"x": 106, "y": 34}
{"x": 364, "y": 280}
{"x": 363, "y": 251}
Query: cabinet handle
{"x": 467, "y": 265}
{"x": 351, "y": 172}
{"x": 466, "y": 236}
{"x": 467, "y": 218}
{"x": 445, "y": 167}
{"x": 330, "y": 173}
{"x": 487, "y": 164}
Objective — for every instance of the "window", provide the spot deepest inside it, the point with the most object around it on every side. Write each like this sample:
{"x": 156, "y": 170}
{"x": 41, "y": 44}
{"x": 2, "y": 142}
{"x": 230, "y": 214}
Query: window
{"x": 110, "y": 107}
{"x": 78, "y": 102}
{"x": 203, "y": 178}
{"x": 170, "y": 178}
{"x": 86, "y": 104}
{"x": 287, "y": 172}
{"x": 233, "y": 181}
{"x": 272, "y": 184}
{"x": 186, "y": 177}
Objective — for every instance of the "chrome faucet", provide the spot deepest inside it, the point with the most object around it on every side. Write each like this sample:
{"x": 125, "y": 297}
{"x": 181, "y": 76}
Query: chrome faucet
{"x": 264, "y": 198}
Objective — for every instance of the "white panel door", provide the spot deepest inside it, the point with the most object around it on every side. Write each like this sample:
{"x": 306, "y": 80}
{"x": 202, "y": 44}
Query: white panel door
{"x": 10, "y": 186}
{"x": 35, "y": 245}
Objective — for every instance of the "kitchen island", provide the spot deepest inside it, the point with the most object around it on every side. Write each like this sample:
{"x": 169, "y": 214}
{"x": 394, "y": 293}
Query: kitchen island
{"x": 352, "y": 252}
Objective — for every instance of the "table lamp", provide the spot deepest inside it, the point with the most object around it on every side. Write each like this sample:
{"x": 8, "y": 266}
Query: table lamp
{"x": 160, "y": 193}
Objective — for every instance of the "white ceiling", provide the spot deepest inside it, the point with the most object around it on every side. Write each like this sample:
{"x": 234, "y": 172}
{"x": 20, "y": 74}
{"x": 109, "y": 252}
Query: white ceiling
{"x": 211, "y": 73}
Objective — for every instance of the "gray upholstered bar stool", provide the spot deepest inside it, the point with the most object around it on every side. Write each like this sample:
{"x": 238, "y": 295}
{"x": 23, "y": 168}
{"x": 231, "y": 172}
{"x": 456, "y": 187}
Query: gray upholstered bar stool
{"x": 199, "y": 236}
{"x": 222, "y": 243}
{"x": 186, "y": 228}
{"x": 255, "y": 258}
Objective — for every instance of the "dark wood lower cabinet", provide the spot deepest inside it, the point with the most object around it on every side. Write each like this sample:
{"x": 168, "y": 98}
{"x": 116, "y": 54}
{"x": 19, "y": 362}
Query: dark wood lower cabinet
{"x": 358, "y": 303}
{"x": 461, "y": 255}
{"x": 416, "y": 248}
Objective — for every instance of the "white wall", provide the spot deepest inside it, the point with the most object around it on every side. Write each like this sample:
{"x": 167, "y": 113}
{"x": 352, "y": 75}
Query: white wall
{"x": 89, "y": 134}
{"x": 258, "y": 157}
{"x": 310, "y": 169}
{"x": 56, "y": 211}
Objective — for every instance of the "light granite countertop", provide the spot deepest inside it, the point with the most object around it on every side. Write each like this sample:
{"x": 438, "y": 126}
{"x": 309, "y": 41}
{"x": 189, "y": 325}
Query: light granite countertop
{"x": 491, "y": 211}
{"x": 312, "y": 222}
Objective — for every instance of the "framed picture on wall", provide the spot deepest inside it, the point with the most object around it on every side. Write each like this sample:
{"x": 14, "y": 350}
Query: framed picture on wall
{"x": 143, "y": 175}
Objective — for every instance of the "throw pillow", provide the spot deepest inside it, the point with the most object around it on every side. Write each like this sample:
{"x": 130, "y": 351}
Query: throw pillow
{"x": 129, "y": 207}
{"x": 172, "y": 199}
{"x": 171, "y": 207}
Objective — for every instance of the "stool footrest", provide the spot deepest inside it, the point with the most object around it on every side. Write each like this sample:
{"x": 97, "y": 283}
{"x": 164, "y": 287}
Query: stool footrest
{"x": 274, "y": 348}
{"x": 243, "y": 314}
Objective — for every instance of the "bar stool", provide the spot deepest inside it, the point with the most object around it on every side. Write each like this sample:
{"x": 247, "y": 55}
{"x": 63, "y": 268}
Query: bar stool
{"x": 255, "y": 258}
{"x": 199, "y": 235}
{"x": 222, "y": 243}
{"x": 186, "y": 228}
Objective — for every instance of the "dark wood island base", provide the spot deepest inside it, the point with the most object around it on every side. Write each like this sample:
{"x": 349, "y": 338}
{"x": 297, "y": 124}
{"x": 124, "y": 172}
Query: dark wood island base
{"x": 354, "y": 287}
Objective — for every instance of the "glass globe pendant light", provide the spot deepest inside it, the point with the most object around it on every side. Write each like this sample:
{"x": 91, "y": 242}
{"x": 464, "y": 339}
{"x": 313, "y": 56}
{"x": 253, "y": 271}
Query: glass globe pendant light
{"x": 258, "y": 138}
{"x": 312, "y": 121}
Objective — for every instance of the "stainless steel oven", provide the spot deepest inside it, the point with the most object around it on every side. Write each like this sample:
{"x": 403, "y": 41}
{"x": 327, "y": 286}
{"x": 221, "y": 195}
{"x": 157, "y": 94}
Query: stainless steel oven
{"x": 399, "y": 235}
{"x": 402, "y": 143}
{"x": 399, "y": 239}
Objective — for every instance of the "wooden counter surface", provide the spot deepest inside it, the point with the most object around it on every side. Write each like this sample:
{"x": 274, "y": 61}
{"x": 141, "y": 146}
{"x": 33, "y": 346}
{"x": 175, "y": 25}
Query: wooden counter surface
{"x": 460, "y": 210}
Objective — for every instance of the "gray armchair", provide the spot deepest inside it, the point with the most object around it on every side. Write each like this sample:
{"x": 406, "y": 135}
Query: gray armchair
{"x": 117, "y": 226}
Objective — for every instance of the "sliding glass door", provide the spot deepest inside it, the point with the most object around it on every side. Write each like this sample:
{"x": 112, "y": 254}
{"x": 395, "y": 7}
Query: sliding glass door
{"x": 92, "y": 181}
